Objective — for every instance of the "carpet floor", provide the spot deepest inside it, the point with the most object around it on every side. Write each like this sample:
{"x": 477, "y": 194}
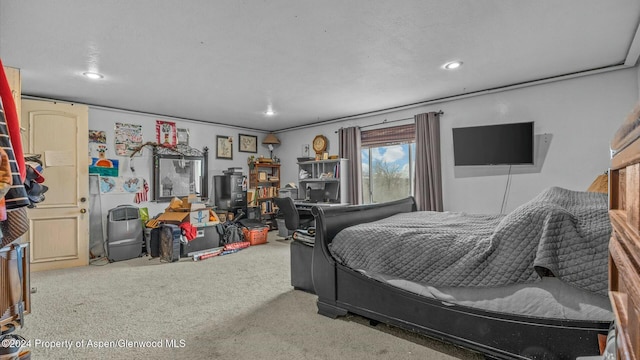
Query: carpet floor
{"x": 238, "y": 306}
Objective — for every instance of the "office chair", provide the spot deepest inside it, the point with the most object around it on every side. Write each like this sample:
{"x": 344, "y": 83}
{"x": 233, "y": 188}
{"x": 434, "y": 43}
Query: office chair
{"x": 301, "y": 251}
{"x": 293, "y": 220}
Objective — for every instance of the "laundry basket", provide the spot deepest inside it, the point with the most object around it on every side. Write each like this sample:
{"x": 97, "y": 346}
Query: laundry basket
{"x": 124, "y": 233}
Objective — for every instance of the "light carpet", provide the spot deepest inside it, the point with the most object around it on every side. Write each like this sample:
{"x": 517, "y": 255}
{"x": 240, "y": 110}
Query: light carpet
{"x": 238, "y": 306}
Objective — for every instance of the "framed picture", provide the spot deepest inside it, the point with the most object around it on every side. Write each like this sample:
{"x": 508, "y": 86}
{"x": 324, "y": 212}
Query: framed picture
{"x": 178, "y": 176}
{"x": 224, "y": 147}
{"x": 183, "y": 136}
{"x": 247, "y": 143}
{"x": 166, "y": 133}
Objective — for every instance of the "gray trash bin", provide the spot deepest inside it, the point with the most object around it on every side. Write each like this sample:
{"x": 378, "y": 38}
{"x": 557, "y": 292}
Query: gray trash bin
{"x": 289, "y": 192}
{"x": 282, "y": 229}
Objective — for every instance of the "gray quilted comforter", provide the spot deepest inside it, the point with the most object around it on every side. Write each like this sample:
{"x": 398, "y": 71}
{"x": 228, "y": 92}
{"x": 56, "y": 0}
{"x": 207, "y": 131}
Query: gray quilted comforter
{"x": 559, "y": 233}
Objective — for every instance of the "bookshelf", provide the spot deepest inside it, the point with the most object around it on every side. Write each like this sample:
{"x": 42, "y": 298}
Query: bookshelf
{"x": 264, "y": 184}
{"x": 327, "y": 175}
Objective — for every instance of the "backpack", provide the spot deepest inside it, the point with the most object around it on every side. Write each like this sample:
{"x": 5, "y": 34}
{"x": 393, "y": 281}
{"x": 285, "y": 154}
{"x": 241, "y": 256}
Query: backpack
{"x": 232, "y": 234}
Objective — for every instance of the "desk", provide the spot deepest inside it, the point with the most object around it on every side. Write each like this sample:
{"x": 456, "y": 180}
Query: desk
{"x": 307, "y": 205}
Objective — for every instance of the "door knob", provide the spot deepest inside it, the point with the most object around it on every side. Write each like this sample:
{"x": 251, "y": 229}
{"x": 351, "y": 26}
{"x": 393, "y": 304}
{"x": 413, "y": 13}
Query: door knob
{"x": 83, "y": 199}
{"x": 82, "y": 211}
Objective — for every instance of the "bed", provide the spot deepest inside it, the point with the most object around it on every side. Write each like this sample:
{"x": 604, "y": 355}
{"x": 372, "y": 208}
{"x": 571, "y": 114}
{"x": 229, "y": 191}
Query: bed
{"x": 554, "y": 301}
{"x": 464, "y": 309}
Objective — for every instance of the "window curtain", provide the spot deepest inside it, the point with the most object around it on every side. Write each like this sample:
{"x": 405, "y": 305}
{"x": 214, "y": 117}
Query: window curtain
{"x": 388, "y": 136}
{"x": 349, "y": 139}
{"x": 428, "y": 184}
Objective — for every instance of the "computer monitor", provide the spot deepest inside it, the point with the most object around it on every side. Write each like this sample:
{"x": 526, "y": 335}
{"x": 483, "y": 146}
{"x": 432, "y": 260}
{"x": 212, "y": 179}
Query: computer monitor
{"x": 332, "y": 191}
{"x": 324, "y": 192}
{"x": 316, "y": 195}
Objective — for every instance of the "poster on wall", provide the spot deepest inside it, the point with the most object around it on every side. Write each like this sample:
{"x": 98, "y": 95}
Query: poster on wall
{"x": 128, "y": 138}
{"x": 121, "y": 185}
{"x": 104, "y": 167}
{"x": 97, "y": 140}
{"x": 183, "y": 137}
{"x": 166, "y": 133}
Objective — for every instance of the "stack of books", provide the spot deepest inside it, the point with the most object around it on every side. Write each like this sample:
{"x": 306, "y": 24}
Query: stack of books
{"x": 306, "y": 236}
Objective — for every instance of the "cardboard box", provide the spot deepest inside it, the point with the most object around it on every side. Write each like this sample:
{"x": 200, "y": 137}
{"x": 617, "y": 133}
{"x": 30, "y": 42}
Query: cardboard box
{"x": 173, "y": 217}
{"x": 192, "y": 202}
{"x": 202, "y": 217}
{"x": 197, "y": 206}
{"x": 187, "y": 204}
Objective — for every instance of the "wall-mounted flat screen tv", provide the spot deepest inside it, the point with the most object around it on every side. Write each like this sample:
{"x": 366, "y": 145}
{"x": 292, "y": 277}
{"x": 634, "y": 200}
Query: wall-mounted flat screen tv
{"x": 503, "y": 144}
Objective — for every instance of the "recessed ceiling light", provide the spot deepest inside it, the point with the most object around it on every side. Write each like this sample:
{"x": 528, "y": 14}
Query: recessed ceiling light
{"x": 92, "y": 75}
{"x": 269, "y": 112}
{"x": 452, "y": 65}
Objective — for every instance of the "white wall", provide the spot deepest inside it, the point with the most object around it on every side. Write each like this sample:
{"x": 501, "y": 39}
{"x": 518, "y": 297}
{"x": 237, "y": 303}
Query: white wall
{"x": 200, "y": 135}
{"x": 580, "y": 115}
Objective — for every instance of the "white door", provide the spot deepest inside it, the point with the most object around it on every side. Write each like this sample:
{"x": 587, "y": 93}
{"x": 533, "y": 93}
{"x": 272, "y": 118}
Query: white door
{"x": 59, "y": 226}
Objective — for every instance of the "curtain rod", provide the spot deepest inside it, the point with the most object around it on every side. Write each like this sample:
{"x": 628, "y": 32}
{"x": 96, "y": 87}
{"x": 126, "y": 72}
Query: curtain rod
{"x": 392, "y": 121}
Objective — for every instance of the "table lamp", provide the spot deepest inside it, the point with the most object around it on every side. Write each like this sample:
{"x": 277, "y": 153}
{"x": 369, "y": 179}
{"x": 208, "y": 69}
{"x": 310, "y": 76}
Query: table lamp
{"x": 270, "y": 140}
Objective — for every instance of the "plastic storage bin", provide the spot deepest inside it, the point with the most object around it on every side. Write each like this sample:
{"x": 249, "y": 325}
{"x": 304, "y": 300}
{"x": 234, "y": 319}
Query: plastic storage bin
{"x": 124, "y": 233}
{"x": 207, "y": 238}
{"x": 256, "y": 236}
{"x": 288, "y": 192}
{"x": 147, "y": 241}
{"x": 282, "y": 229}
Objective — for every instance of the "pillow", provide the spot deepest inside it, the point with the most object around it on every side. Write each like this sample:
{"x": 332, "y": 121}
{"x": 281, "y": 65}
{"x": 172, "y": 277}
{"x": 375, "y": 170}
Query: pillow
{"x": 600, "y": 184}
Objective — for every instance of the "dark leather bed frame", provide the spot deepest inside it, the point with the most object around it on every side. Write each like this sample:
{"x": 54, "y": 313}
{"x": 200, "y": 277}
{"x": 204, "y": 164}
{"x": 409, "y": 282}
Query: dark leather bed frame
{"x": 502, "y": 336}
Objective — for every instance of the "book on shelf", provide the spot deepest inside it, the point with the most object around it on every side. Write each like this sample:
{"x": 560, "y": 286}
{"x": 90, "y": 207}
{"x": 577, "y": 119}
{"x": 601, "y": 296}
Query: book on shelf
{"x": 267, "y": 207}
{"x": 267, "y": 191}
{"x": 251, "y": 197}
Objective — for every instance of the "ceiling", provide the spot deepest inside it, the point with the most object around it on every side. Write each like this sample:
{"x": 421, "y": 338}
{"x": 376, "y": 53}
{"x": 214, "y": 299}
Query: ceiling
{"x": 228, "y": 62}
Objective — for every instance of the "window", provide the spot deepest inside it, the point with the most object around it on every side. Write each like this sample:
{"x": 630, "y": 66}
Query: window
{"x": 388, "y": 163}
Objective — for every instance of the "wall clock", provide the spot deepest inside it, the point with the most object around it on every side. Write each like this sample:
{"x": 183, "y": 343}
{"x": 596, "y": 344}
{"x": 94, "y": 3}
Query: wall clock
{"x": 319, "y": 144}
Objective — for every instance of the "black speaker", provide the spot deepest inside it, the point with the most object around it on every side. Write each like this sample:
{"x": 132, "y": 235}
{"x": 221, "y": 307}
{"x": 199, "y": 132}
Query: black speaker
{"x": 154, "y": 243}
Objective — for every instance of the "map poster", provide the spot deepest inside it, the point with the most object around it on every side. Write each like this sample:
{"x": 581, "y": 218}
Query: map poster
{"x": 121, "y": 185}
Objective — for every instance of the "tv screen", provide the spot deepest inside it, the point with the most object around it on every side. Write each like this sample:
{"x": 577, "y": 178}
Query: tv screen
{"x": 504, "y": 144}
